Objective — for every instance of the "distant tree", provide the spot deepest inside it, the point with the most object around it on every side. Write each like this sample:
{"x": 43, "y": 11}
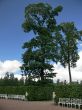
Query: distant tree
{"x": 10, "y": 80}
{"x": 58, "y": 81}
{"x": 12, "y": 76}
{"x": 6, "y": 79}
{"x": 41, "y": 49}
{"x": 6, "y": 75}
{"x": 69, "y": 46}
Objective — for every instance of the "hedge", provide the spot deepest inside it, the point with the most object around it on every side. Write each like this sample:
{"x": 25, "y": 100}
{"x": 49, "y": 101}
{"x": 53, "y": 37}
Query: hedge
{"x": 36, "y": 93}
{"x": 68, "y": 90}
{"x": 39, "y": 93}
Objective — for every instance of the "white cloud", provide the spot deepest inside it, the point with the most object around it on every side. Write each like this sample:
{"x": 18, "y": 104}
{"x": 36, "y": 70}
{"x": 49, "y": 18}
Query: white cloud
{"x": 9, "y": 66}
{"x": 13, "y": 66}
{"x": 75, "y": 72}
{"x": 18, "y": 76}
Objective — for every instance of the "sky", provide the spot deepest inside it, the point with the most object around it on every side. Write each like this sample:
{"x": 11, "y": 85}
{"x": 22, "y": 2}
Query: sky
{"x": 12, "y": 35}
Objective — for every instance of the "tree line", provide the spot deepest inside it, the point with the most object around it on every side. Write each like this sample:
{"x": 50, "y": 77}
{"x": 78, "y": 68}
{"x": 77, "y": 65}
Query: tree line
{"x": 9, "y": 79}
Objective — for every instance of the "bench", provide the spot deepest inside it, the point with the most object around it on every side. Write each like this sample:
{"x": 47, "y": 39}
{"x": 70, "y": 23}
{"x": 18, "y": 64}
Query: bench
{"x": 3, "y": 96}
{"x": 70, "y": 102}
{"x": 12, "y": 96}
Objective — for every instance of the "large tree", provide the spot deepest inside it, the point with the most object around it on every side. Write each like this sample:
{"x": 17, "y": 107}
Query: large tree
{"x": 69, "y": 45}
{"x": 42, "y": 48}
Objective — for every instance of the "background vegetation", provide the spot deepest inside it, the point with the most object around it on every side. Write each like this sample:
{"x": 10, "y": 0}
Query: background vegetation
{"x": 40, "y": 90}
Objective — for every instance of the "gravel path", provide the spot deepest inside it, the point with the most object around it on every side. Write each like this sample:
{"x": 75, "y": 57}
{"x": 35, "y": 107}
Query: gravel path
{"x": 25, "y": 105}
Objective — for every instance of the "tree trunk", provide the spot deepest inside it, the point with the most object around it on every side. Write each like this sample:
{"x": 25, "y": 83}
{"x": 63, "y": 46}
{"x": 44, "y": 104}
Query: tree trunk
{"x": 69, "y": 69}
{"x": 42, "y": 74}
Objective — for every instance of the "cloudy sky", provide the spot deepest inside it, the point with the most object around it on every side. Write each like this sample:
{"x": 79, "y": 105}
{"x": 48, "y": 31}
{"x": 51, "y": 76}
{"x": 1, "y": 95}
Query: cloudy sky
{"x": 12, "y": 36}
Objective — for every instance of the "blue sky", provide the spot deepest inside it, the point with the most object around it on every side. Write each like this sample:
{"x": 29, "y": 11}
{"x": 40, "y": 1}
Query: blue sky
{"x": 12, "y": 36}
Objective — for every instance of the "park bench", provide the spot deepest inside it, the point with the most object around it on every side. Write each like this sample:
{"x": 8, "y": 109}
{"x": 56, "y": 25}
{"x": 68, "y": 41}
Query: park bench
{"x": 12, "y": 96}
{"x": 70, "y": 102}
{"x": 16, "y": 97}
{"x": 3, "y": 96}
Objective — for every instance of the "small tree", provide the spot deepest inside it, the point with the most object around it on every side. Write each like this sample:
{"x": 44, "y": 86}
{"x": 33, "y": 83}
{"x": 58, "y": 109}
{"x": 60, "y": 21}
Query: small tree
{"x": 42, "y": 49}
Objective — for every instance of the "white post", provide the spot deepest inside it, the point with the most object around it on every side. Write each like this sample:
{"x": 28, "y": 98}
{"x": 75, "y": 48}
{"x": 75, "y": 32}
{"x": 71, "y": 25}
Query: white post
{"x": 26, "y": 94}
{"x": 54, "y": 95}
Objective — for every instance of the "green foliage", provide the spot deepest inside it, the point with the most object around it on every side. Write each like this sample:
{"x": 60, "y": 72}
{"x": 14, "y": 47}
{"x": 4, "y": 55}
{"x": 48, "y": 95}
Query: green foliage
{"x": 35, "y": 93}
{"x": 69, "y": 45}
{"x": 42, "y": 49}
{"x": 12, "y": 90}
{"x": 44, "y": 91}
{"x": 9, "y": 80}
{"x": 73, "y": 90}
{"x": 40, "y": 93}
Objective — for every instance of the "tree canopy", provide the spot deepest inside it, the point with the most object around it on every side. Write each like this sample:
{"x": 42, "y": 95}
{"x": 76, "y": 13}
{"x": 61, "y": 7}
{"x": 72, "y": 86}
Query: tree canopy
{"x": 42, "y": 48}
{"x": 51, "y": 42}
